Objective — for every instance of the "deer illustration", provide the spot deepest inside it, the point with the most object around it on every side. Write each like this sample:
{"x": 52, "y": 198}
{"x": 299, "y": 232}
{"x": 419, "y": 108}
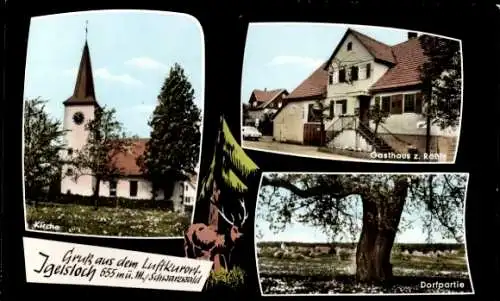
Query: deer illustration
{"x": 204, "y": 242}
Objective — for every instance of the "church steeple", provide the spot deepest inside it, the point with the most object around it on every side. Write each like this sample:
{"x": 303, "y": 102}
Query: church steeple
{"x": 84, "y": 88}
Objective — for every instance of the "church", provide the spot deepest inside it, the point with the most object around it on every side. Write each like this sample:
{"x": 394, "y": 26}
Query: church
{"x": 131, "y": 184}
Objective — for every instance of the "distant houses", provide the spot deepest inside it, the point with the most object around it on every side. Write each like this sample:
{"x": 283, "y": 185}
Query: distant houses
{"x": 262, "y": 106}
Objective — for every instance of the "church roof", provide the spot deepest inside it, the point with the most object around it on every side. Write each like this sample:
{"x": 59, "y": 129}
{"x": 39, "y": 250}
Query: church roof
{"x": 126, "y": 161}
{"x": 84, "y": 93}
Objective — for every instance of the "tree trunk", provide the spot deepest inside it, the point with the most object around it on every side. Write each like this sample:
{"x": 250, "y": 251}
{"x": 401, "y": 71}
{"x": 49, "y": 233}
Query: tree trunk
{"x": 381, "y": 219}
{"x": 95, "y": 196}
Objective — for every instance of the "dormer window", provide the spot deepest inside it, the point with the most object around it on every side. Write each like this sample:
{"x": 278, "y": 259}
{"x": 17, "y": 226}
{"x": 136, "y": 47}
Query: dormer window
{"x": 349, "y": 46}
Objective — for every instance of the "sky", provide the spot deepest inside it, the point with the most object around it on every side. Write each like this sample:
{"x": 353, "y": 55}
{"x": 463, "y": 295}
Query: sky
{"x": 131, "y": 54}
{"x": 298, "y": 232}
{"x": 281, "y": 56}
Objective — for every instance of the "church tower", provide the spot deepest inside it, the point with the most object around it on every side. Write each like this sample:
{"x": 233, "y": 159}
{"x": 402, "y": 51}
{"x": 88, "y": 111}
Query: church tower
{"x": 78, "y": 110}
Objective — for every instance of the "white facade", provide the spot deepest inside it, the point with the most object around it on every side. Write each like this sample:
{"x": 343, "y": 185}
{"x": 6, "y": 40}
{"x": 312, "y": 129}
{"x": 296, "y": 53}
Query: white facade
{"x": 75, "y": 138}
{"x": 124, "y": 186}
{"x": 352, "y": 98}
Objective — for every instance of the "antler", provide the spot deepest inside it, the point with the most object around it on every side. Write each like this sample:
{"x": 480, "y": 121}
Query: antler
{"x": 245, "y": 213}
{"x": 224, "y": 216}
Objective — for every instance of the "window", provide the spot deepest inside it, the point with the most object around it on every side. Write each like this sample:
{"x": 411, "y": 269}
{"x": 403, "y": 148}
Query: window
{"x": 418, "y": 103}
{"x": 69, "y": 172}
{"x": 70, "y": 151}
{"x": 397, "y": 104}
{"x": 354, "y": 73}
{"x": 330, "y": 78}
{"x": 112, "y": 188}
{"x": 188, "y": 200}
{"x": 332, "y": 114}
{"x": 313, "y": 115}
{"x": 409, "y": 103}
{"x": 186, "y": 187}
{"x": 349, "y": 46}
{"x": 368, "y": 70}
{"x": 386, "y": 104}
{"x": 133, "y": 188}
{"x": 342, "y": 76}
{"x": 341, "y": 105}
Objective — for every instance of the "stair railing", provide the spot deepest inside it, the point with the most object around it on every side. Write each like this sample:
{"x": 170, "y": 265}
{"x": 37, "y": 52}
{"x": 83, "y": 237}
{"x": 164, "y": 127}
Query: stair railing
{"x": 386, "y": 131}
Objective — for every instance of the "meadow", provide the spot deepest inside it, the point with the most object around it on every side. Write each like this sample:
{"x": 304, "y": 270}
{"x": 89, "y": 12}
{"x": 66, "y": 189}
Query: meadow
{"x": 108, "y": 221}
{"x": 330, "y": 269}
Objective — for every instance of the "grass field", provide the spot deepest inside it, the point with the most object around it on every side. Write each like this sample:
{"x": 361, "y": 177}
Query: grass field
{"x": 313, "y": 270}
{"x": 77, "y": 219}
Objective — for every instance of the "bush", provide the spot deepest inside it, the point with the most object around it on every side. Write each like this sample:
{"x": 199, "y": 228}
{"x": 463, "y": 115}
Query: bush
{"x": 75, "y": 199}
{"x": 344, "y": 255}
{"x": 233, "y": 279}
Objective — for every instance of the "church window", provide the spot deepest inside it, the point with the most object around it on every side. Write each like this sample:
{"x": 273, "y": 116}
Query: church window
{"x": 133, "y": 188}
{"x": 112, "y": 188}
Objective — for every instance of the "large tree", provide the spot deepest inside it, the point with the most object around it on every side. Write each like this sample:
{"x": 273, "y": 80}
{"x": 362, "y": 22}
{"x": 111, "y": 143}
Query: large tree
{"x": 329, "y": 202}
{"x": 42, "y": 146}
{"x": 441, "y": 77}
{"x": 106, "y": 140}
{"x": 172, "y": 152}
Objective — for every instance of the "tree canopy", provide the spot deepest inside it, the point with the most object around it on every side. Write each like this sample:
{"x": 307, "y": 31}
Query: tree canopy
{"x": 331, "y": 202}
{"x": 172, "y": 152}
{"x": 441, "y": 76}
{"x": 42, "y": 146}
{"x": 105, "y": 141}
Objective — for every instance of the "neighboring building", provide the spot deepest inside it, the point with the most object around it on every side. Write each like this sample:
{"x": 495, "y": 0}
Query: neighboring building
{"x": 361, "y": 73}
{"x": 131, "y": 184}
{"x": 264, "y": 102}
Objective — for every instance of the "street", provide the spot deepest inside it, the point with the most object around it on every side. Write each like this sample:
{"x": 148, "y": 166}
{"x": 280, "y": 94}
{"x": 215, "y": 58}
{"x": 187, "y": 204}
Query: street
{"x": 266, "y": 144}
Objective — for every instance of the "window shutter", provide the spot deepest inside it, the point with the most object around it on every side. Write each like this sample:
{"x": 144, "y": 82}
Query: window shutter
{"x": 396, "y": 104}
{"x": 344, "y": 106}
{"x": 418, "y": 103}
{"x": 368, "y": 70}
{"x": 330, "y": 78}
{"x": 331, "y": 109}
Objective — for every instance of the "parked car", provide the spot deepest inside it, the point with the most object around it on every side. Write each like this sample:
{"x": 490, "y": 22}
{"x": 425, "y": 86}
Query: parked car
{"x": 251, "y": 133}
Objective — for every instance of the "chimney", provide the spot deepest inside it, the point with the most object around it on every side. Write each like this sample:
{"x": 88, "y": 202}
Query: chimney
{"x": 412, "y": 35}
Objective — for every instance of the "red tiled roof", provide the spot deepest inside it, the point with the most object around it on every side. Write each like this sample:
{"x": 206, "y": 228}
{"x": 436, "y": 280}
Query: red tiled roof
{"x": 264, "y": 96}
{"x": 127, "y": 164}
{"x": 409, "y": 56}
{"x": 314, "y": 85}
{"x": 126, "y": 161}
{"x": 378, "y": 49}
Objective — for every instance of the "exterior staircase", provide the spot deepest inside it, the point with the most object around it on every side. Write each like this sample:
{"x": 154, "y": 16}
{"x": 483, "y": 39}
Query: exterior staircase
{"x": 378, "y": 143}
{"x": 353, "y": 123}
